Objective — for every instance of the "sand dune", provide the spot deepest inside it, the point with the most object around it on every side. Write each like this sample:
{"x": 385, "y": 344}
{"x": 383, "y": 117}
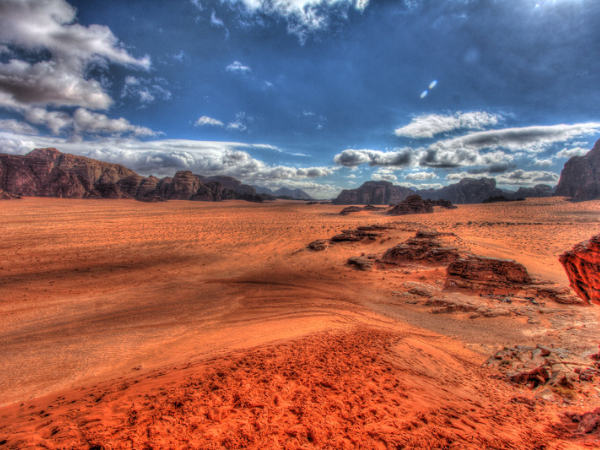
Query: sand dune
{"x": 115, "y": 312}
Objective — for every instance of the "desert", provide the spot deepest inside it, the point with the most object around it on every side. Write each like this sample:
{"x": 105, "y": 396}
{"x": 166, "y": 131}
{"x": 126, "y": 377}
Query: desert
{"x": 213, "y": 325}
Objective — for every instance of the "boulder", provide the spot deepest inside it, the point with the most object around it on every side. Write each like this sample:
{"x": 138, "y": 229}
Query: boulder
{"x": 582, "y": 265}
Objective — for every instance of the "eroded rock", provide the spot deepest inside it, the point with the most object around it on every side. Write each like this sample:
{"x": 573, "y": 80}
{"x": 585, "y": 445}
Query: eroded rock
{"x": 427, "y": 247}
{"x": 582, "y": 265}
{"x": 480, "y": 272}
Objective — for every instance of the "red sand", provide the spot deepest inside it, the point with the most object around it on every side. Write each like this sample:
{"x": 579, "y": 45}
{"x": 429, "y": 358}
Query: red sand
{"x": 240, "y": 337}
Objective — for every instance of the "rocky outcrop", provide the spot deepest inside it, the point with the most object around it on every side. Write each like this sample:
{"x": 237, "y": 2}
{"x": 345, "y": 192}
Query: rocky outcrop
{"x": 413, "y": 204}
{"x": 427, "y": 248}
{"x": 373, "y": 193}
{"x": 232, "y": 184}
{"x": 559, "y": 371}
{"x": 582, "y": 265}
{"x": 466, "y": 191}
{"x": 580, "y": 178}
{"x": 292, "y": 194}
{"x": 480, "y": 272}
{"x": 350, "y": 209}
{"x": 47, "y": 172}
{"x": 502, "y": 199}
{"x": 8, "y": 196}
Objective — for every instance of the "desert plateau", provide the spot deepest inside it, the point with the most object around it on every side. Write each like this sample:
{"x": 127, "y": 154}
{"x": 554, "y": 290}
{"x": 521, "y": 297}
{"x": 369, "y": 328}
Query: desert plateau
{"x": 214, "y": 325}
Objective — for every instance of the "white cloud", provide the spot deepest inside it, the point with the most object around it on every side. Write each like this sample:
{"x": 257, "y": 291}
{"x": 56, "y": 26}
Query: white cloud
{"x": 543, "y": 162}
{"x": 421, "y": 186}
{"x": 166, "y": 156}
{"x": 384, "y": 174}
{"x": 146, "y": 90}
{"x": 87, "y": 122}
{"x": 420, "y": 176}
{"x": 205, "y": 120}
{"x": 84, "y": 121}
{"x": 303, "y": 17}
{"x": 33, "y": 25}
{"x": 570, "y": 152}
{"x": 429, "y": 125}
{"x": 237, "y": 67}
{"x": 353, "y": 158}
{"x": 523, "y": 178}
{"x": 17, "y": 127}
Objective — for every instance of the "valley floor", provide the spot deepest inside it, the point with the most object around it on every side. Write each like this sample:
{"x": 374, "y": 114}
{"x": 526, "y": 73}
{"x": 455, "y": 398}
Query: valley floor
{"x": 211, "y": 325}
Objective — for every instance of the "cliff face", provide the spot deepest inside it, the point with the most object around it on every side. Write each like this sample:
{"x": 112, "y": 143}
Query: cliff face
{"x": 373, "y": 193}
{"x": 49, "y": 173}
{"x": 539, "y": 190}
{"x": 580, "y": 178}
{"x": 467, "y": 190}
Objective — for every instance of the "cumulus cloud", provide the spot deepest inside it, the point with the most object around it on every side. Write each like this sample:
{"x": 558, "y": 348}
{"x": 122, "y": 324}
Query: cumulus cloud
{"x": 427, "y": 126}
{"x": 166, "y": 156}
{"x": 420, "y": 176}
{"x": 237, "y": 67}
{"x": 205, "y": 120}
{"x": 16, "y": 126}
{"x": 60, "y": 80}
{"x": 353, "y": 158}
{"x": 421, "y": 185}
{"x": 570, "y": 152}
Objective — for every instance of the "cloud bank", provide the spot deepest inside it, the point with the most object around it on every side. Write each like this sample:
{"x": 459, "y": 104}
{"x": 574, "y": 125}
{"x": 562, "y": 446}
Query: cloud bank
{"x": 427, "y": 126}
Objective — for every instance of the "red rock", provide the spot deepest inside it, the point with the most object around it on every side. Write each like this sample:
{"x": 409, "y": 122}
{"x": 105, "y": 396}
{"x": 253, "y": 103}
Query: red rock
{"x": 582, "y": 265}
{"x": 489, "y": 270}
{"x": 425, "y": 248}
{"x": 413, "y": 204}
{"x": 580, "y": 178}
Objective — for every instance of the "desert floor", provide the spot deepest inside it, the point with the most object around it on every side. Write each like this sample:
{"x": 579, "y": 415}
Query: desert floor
{"x": 211, "y": 325}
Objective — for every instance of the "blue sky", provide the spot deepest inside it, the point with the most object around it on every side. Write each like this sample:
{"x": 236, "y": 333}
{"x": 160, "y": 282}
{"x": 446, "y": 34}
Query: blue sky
{"x": 314, "y": 95}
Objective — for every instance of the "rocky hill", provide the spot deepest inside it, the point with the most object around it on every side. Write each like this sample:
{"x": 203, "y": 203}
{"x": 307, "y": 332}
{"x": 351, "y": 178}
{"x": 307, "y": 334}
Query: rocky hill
{"x": 373, "y": 193}
{"x": 580, "y": 178}
{"x": 467, "y": 190}
{"x": 48, "y": 172}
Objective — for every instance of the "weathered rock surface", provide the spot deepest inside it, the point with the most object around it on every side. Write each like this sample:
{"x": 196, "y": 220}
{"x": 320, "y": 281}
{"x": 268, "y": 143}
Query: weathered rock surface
{"x": 580, "y": 178}
{"x": 350, "y": 209}
{"x": 545, "y": 367}
{"x": 582, "y": 265}
{"x": 427, "y": 247}
{"x": 502, "y": 198}
{"x": 373, "y": 193}
{"x": 413, "y": 204}
{"x": 480, "y": 272}
{"x": 467, "y": 190}
{"x": 539, "y": 190}
{"x": 319, "y": 245}
{"x": 47, "y": 172}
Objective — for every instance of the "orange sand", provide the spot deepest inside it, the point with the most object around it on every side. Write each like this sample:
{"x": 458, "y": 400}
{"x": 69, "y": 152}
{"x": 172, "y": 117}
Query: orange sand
{"x": 114, "y": 293}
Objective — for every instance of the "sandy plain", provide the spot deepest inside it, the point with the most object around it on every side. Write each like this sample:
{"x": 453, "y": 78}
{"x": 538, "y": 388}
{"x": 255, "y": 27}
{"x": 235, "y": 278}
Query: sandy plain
{"x": 211, "y": 325}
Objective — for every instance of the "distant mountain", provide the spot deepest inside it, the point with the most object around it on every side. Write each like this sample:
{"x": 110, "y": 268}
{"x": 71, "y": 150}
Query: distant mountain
{"x": 297, "y": 194}
{"x": 467, "y": 190}
{"x": 47, "y": 172}
{"x": 580, "y": 178}
{"x": 373, "y": 193}
{"x": 231, "y": 183}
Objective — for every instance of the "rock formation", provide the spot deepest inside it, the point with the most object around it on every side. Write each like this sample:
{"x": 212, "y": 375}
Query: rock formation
{"x": 467, "y": 190}
{"x": 427, "y": 247}
{"x": 47, "y": 172}
{"x": 539, "y": 190}
{"x": 480, "y": 272}
{"x": 582, "y": 265}
{"x": 580, "y": 178}
{"x": 7, "y": 195}
{"x": 373, "y": 193}
{"x": 413, "y": 204}
{"x": 294, "y": 194}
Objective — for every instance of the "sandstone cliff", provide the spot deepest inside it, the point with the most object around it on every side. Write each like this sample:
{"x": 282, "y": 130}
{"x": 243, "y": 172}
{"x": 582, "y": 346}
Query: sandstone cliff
{"x": 582, "y": 265}
{"x": 49, "y": 173}
{"x": 580, "y": 178}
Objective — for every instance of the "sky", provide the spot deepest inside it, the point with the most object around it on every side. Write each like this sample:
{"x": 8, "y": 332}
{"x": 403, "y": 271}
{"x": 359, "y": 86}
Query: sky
{"x": 317, "y": 95}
